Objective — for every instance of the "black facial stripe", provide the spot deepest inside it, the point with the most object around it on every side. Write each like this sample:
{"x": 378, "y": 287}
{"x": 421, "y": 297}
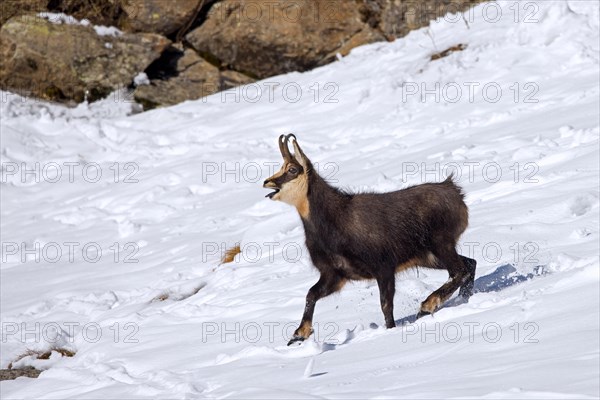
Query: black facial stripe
{"x": 287, "y": 177}
{"x": 284, "y": 179}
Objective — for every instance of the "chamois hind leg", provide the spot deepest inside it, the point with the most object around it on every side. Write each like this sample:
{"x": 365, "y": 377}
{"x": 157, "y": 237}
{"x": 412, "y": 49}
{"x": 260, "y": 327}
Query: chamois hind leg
{"x": 466, "y": 290}
{"x": 326, "y": 285}
{"x": 459, "y": 274}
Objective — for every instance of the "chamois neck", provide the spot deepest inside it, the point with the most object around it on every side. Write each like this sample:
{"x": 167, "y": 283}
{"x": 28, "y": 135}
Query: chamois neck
{"x": 324, "y": 200}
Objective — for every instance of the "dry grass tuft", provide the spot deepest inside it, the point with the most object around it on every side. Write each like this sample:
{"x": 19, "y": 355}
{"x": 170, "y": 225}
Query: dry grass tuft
{"x": 448, "y": 51}
{"x": 230, "y": 254}
{"x": 43, "y": 355}
{"x": 161, "y": 297}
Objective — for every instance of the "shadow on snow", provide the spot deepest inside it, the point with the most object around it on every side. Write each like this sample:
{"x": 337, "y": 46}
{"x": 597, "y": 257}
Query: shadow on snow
{"x": 503, "y": 277}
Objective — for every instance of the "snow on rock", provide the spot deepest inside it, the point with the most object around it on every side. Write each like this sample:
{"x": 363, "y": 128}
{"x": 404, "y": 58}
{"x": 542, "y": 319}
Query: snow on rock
{"x": 61, "y": 18}
{"x": 141, "y": 79}
{"x": 141, "y": 207}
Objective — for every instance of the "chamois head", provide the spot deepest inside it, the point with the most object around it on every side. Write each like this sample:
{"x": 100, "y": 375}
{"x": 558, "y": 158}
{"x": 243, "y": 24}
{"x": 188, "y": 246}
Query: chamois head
{"x": 291, "y": 181}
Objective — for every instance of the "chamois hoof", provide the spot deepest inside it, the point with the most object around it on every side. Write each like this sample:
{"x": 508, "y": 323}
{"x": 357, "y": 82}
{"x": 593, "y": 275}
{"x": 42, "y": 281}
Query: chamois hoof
{"x": 295, "y": 339}
{"x": 466, "y": 292}
{"x": 430, "y": 305}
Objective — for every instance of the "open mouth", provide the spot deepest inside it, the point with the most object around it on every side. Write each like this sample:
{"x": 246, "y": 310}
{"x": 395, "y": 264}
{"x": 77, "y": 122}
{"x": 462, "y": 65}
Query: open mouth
{"x": 270, "y": 195}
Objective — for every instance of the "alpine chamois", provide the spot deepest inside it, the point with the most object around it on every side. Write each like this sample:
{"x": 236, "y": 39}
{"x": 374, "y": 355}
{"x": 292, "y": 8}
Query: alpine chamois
{"x": 373, "y": 235}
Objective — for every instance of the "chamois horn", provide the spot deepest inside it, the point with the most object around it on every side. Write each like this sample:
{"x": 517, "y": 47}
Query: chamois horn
{"x": 283, "y": 147}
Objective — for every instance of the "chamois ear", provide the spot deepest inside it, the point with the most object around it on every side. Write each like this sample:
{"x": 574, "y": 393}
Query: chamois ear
{"x": 298, "y": 153}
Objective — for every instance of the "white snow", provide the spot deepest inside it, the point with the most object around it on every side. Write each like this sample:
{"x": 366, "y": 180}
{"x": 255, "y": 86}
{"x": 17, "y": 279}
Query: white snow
{"x": 141, "y": 79}
{"x": 180, "y": 185}
{"x": 102, "y": 30}
{"x": 61, "y": 18}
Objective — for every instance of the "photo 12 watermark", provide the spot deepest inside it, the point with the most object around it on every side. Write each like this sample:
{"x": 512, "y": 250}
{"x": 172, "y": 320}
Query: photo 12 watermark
{"x": 256, "y": 172}
{"x": 254, "y": 332}
{"x": 331, "y": 12}
{"x": 69, "y": 172}
{"x": 68, "y": 332}
{"x": 468, "y": 92}
{"x": 469, "y": 171}
{"x": 68, "y": 252}
{"x": 271, "y": 92}
{"x": 471, "y": 331}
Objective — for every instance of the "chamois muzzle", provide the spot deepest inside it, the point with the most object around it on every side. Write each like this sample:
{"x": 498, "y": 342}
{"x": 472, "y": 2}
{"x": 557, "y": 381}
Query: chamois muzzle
{"x": 271, "y": 185}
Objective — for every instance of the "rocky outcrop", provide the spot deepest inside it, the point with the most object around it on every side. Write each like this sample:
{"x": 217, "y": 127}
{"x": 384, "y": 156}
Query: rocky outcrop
{"x": 194, "y": 78}
{"x": 28, "y": 372}
{"x": 396, "y": 18}
{"x": 266, "y": 38}
{"x": 220, "y": 43}
{"x": 163, "y": 17}
{"x": 66, "y": 62}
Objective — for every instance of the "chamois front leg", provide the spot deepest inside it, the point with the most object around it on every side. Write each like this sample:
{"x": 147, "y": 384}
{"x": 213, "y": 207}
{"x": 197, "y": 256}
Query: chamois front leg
{"x": 326, "y": 285}
{"x": 387, "y": 289}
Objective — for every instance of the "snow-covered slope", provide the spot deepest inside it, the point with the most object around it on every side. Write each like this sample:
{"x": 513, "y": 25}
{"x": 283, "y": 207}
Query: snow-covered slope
{"x": 161, "y": 318}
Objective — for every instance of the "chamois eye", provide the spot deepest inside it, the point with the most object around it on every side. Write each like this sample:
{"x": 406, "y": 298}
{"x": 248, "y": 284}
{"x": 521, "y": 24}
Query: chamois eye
{"x": 293, "y": 170}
